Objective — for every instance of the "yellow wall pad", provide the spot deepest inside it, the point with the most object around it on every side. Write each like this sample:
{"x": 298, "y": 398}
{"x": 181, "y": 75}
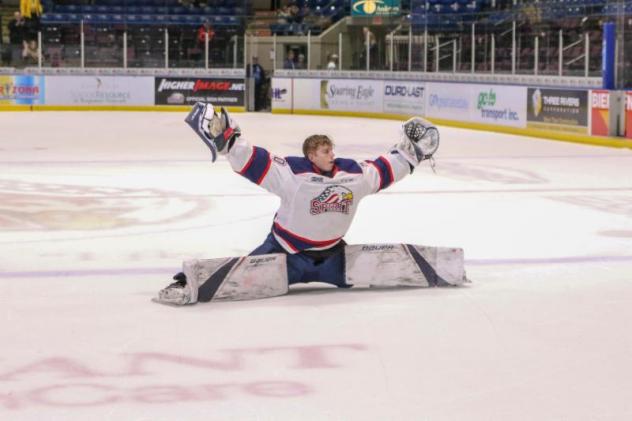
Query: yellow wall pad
{"x": 167, "y": 108}
{"x": 613, "y": 142}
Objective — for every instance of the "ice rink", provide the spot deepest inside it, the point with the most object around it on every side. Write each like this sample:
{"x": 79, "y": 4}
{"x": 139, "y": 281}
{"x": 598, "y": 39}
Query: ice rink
{"x": 98, "y": 210}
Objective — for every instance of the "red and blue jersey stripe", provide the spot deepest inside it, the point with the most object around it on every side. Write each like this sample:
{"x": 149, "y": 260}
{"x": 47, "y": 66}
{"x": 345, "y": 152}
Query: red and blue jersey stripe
{"x": 298, "y": 243}
{"x": 257, "y": 166}
{"x": 385, "y": 171}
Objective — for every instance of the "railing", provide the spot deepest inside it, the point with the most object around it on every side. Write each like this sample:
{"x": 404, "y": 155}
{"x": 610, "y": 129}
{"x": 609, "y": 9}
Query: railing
{"x": 511, "y": 51}
{"x": 86, "y": 45}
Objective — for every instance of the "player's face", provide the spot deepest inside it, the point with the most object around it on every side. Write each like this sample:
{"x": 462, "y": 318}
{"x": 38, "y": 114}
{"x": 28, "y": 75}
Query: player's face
{"x": 323, "y": 157}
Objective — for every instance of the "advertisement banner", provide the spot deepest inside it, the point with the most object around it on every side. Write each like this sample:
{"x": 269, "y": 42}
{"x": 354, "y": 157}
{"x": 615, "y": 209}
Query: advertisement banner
{"x": 100, "y": 90}
{"x": 22, "y": 90}
{"x": 189, "y": 90}
{"x": 628, "y": 114}
{"x": 375, "y": 7}
{"x": 351, "y": 95}
{"x": 282, "y": 94}
{"x": 488, "y": 104}
{"x": 448, "y": 100}
{"x": 501, "y": 105}
{"x": 600, "y": 112}
{"x": 557, "y": 109}
{"x": 406, "y": 98}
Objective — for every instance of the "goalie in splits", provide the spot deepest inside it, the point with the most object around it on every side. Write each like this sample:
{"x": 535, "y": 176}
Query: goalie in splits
{"x": 319, "y": 198}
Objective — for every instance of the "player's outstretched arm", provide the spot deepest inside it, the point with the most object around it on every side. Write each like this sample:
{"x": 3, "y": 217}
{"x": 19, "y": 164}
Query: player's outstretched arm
{"x": 221, "y": 133}
{"x": 216, "y": 128}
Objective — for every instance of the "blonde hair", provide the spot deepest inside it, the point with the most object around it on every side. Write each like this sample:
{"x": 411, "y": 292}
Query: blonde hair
{"x": 314, "y": 141}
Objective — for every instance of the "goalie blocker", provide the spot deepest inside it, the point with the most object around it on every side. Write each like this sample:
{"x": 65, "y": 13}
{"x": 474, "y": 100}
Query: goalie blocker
{"x": 263, "y": 276}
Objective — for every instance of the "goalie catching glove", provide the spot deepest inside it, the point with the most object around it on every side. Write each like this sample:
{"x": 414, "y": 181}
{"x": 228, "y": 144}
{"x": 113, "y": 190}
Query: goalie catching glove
{"x": 217, "y": 129}
{"x": 419, "y": 140}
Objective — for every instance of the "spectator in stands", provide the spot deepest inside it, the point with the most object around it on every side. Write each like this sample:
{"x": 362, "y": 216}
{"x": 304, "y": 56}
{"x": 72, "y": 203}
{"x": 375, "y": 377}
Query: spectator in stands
{"x": 332, "y": 63}
{"x": 17, "y": 28}
{"x": 302, "y": 12}
{"x": 259, "y": 76}
{"x": 283, "y": 15}
{"x": 369, "y": 37}
{"x": 295, "y": 13}
{"x": 188, "y": 4}
{"x": 289, "y": 62}
{"x": 203, "y": 30}
{"x": 300, "y": 64}
{"x": 29, "y": 42}
{"x": 5, "y": 51}
{"x": 295, "y": 19}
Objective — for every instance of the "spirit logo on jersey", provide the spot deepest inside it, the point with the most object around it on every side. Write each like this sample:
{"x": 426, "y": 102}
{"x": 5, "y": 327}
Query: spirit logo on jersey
{"x": 333, "y": 199}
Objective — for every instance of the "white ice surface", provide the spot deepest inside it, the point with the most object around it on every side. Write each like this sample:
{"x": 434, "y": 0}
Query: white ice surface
{"x": 97, "y": 211}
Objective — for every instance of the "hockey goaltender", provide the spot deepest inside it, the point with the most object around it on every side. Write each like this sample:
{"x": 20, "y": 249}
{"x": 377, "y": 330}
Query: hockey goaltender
{"x": 319, "y": 198}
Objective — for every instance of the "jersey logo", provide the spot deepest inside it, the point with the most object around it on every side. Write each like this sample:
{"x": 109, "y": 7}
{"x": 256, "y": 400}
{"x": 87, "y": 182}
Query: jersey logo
{"x": 333, "y": 199}
{"x": 279, "y": 160}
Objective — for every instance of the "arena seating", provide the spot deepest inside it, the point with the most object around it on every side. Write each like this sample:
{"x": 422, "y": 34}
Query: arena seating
{"x": 145, "y": 12}
{"x": 145, "y": 22}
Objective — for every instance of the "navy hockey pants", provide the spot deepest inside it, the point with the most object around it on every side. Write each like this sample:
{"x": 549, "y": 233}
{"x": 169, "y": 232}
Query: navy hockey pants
{"x": 309, "y": 267}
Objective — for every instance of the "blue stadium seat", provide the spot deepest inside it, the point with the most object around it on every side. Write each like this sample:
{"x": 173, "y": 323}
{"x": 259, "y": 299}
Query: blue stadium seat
{"x": 177, "y": 10}
{"x": 132, "y": 19}
{"x": 473, "y": 7}
{"x": 146, "y": 19}
{"x": 70, "y": 8}
{"x": 195, "y": 19}
{"x": 52, "y": 18}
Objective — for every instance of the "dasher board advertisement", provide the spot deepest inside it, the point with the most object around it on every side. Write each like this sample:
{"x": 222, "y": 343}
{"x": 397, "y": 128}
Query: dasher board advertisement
{"x": 488, "y": 104}
{"x": 282, "y": 94}
{"x": 628, "y": 114}
{"x": 100, "y": 90}
{"x": 599, "y": 112}
{"x": 403, "y": 97}
{"x": 189, "y": 90}
{"x": 351, "y": 95}
{"x": 558, "y": 109}
{"x": 346, "y": 95}
{"x": 22, "y": 90}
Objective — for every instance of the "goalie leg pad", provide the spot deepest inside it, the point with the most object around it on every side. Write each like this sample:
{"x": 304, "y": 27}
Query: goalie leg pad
{"x": 404, "y": 265}
{"x": 242, "y": 278}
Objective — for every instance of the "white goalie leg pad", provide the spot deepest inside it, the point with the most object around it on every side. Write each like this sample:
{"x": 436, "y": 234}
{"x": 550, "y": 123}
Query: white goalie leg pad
{"x": 198, "y": 271}
{"x": 403, "y": 265}
{"x": 239, "y": 278}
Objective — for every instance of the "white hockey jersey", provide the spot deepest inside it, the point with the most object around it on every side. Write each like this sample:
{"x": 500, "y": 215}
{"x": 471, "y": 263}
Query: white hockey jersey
{"x": 316, "y": 210}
